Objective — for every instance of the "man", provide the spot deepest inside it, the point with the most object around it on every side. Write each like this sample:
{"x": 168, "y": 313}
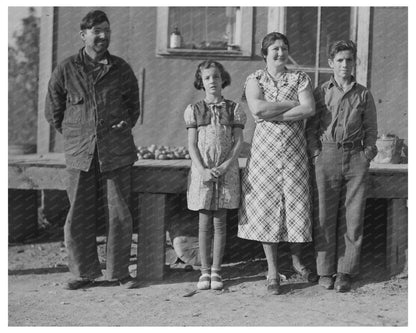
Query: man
{"x": 93, "y": 101}
{"x": 341, "y": 141}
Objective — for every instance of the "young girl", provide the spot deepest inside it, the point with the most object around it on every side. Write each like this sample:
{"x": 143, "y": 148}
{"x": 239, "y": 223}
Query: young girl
{"x": 215, "y": 136}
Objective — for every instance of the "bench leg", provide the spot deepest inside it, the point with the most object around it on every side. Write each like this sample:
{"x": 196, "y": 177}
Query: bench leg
{"x": 23, "y": 214}
{"x": 396, "y": 236}
{"x": 151, "y": 237}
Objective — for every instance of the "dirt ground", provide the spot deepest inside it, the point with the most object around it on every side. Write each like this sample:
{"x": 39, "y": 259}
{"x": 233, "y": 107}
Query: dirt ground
{"x": 37, "y": 272}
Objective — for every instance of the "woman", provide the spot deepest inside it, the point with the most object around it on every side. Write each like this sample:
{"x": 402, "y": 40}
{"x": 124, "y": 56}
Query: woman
{"x": 275, "y": 183}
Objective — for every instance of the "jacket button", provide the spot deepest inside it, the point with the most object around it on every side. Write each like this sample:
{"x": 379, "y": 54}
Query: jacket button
{"x": 101, "y": 122}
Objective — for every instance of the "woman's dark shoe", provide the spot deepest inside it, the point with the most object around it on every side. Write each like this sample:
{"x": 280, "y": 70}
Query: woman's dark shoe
{"x": 326, "y": 281}
{"x": 273, "y": 286}
{"x": 307, "y": 274}
{"x": 74, "y": 284}
{"x": 343, "y": 283}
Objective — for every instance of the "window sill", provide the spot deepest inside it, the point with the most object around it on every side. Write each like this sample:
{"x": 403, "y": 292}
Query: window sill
{"x": 202, "y": 53}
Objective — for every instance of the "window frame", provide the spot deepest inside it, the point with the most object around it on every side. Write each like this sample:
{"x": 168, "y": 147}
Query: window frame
{"x": 162, "y": 38}
{"x": 359, "y": 33}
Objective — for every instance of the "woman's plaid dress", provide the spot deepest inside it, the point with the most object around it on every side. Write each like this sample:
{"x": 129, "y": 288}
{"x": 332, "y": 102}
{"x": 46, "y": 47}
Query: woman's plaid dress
{"x": 276, "y": 204}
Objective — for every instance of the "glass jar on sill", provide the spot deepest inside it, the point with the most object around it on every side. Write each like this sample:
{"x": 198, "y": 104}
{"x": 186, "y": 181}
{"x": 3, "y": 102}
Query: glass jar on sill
{"x": 175, "y": 39}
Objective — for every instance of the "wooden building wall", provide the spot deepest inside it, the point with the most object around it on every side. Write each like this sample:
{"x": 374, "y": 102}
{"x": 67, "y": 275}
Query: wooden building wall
{"x": 389, "y": 69}
{"x": 168, "y": 85}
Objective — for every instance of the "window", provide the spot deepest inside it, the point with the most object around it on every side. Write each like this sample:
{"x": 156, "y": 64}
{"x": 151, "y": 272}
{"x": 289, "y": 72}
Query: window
{"x": 311, "y": 31}
{"x": 204, "y": 31}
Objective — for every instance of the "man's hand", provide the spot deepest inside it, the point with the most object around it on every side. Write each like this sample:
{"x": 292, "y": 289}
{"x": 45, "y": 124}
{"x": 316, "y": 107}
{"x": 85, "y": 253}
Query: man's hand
{"x": 369, "y": 153}
{"x": 312, "y": 160}
{"x": 121, "y": 124}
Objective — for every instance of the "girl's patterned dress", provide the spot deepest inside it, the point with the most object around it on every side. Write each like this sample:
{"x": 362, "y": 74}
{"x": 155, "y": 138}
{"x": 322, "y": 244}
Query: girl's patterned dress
{"x": 215, "y": 141}
{"x": 276, "y": 204}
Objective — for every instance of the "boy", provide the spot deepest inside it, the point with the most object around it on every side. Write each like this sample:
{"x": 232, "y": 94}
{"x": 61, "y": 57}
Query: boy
{"x": 341, "y": 142}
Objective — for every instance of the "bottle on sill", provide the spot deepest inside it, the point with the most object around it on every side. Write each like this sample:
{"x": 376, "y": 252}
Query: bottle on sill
{"x": 175, "y": 39}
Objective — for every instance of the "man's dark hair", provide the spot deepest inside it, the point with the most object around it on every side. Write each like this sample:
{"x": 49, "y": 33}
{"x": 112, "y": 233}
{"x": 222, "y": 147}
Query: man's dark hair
{"x": 342, "y": 45}
{"x": 93, "y": 18}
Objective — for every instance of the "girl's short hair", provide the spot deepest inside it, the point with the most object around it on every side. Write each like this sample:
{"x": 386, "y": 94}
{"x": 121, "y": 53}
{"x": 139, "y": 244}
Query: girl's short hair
{"x": 225, "y": 76}
{"x": 269, "y": 39}
{"x": 342, "y": 45}
{"x": 93, "y": 18}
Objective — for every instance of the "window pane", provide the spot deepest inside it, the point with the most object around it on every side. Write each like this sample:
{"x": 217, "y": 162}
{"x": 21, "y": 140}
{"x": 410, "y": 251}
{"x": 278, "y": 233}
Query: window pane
{"x": 301, "y": 31}
{"x": 312, "y": 76}
{"x": 323, "y": 77}
{"x": 205, "y": 27}
{"x": 335, "y": 25}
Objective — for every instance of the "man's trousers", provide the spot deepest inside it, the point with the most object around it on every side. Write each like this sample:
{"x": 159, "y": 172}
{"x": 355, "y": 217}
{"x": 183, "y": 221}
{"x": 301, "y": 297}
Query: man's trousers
{"x": 339, "y": 204}
{"x": 97, "y": 196}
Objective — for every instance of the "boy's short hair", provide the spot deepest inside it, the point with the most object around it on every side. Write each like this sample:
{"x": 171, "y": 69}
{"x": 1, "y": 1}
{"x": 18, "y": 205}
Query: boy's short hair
{"x": 93, "y": 18}
{"x": 269, "y": 39}
{"x": 225, "y": 76}
{"x": 342, "y": 45}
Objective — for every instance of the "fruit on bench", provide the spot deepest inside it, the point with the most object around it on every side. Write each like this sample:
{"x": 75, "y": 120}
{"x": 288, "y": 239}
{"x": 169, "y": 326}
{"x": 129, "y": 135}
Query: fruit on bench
{"x": 160, "y": 152}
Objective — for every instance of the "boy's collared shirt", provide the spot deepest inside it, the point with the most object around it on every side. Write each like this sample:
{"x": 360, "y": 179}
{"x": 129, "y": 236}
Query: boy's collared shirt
{"x": 343, "y": 116}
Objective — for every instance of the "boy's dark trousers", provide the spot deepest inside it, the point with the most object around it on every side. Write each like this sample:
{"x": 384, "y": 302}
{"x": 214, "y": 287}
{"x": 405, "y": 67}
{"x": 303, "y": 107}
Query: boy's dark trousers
{"x": 94, "y": 196}
{"x": 339, "y": 203}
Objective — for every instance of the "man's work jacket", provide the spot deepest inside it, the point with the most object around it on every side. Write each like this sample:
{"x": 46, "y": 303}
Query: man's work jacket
{"x": 84, "y": 108}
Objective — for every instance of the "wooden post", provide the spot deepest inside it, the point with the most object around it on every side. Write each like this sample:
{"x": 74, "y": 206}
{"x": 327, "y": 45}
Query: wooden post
{"x": 45, "y": 70}
{"x": 162, "y": 29}
{"x": 151, "y": 236}
{"x": 363, "y": 44}
{"x": 141, "y": 94}
{"x": 276, "y": 19}
{"x": 396, "y": 236}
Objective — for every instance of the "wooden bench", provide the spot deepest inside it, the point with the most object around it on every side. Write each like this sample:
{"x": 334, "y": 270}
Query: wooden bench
{"x": 153, "y": 180}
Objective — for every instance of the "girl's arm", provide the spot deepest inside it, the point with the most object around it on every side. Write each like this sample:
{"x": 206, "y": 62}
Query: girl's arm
{"x": 261, "y": 108}
{"x": 196, "y": 157}
{"x": 234, "y": 153}
{"x": 304, "y": 110}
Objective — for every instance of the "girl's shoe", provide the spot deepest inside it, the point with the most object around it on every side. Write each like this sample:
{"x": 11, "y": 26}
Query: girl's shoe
{"x": 204, "y": 282}
{"x": 216, "y": 281}
{"x": 273, "y": 286}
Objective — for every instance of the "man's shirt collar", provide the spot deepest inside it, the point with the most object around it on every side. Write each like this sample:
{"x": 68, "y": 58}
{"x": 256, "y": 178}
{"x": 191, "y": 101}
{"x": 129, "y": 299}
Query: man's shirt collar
{"x": 333, "y": 83}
